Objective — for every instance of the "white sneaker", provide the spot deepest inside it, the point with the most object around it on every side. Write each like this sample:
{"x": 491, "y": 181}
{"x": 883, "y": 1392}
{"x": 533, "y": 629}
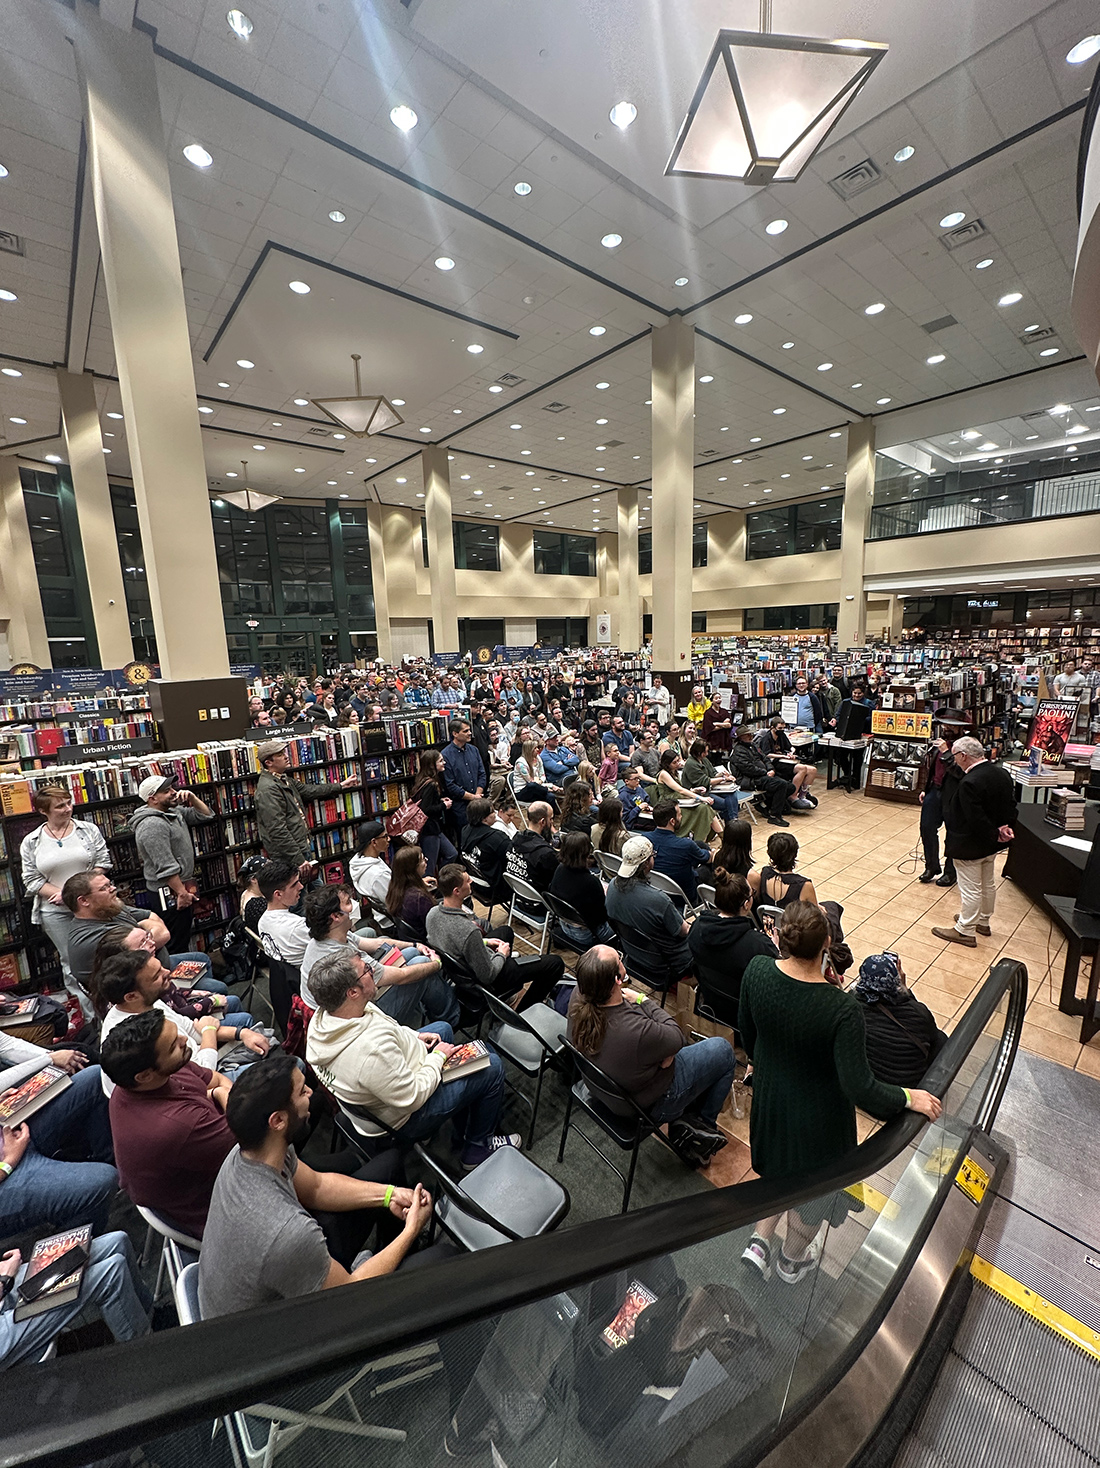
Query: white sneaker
{"x": 790, "y": 1271}
{"x": 757, "y": 1255}
{"x": 475, "y": 1154}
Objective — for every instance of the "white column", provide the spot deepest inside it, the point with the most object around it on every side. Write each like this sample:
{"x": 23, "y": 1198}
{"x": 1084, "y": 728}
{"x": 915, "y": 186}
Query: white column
{"x": 20, "y": 598}
{"x": 128, "y": 173}
{"x": 859, "y": 488}
{"x": 673, "y": 453}
{"x": 441, "y": 547}
{"x": 630, "y": 606}
{"x": 379, "y": 582}
{"x": 84, "y": 446}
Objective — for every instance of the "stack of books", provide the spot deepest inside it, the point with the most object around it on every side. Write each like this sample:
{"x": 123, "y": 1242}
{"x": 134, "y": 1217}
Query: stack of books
{"x": 1066, "y": 808}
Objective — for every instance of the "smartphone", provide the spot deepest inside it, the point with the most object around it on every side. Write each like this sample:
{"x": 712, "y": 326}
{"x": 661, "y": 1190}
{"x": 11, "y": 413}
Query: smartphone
{"x": 66, "y": 1264}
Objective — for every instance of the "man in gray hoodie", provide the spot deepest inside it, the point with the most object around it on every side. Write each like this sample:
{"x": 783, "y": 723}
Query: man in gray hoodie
{"x": 161, "y": 831}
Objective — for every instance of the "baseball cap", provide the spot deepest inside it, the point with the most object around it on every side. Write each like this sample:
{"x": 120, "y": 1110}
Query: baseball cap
{"x": 270, "y": 747}
{"x": 636, "y": 852}
{"x": 153, "y": 785}
{"x": 370, "y": 831}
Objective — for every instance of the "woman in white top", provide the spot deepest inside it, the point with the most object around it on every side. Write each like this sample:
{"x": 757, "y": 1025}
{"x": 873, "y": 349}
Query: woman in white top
{"x": 50, "y": 855}
{"x": 530, "y": 777}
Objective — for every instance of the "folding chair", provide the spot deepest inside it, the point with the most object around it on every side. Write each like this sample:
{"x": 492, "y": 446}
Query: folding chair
{"x": 175, "y": 1248}
{"x": 644, "y": 965}
{"x": 285, "y": 1424}
{"x": 706, "y": 895}
{"x": 716, "y": 999}
{"x": 284, "y": 981}
{"x": 529, "y": 905}
{"x": 769, "y": 917}
{"x": 522, "y": 806}
{"x": 531, "y": 1041}
{"x": 627, "y": 1131}
{"x": 483, "y": 889}
{"x": 675, "y": 891}
{"x": 505, "y": 1198}
{"x": 747, "y": 797}
{"x": 565, "y": 912}
{"x": 380, "y": 913}
{"x": 609, "y": 863}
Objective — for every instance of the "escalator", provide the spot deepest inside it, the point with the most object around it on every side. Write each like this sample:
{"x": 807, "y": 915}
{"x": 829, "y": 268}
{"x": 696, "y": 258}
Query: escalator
{"x": 637, "y": 1340}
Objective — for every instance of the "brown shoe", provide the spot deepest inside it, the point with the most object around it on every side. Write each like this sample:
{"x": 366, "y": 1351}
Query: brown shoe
{"x": 983, "y": 928}
{"x": 952, "y": 935}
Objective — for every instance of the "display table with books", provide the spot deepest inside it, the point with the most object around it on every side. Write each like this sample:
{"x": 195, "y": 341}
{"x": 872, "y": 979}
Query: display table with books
{"x": 1045, "y": 859}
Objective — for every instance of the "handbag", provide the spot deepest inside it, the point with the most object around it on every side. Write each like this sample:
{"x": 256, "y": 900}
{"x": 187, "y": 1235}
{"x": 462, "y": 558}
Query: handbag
{"x": 406, "y": 820}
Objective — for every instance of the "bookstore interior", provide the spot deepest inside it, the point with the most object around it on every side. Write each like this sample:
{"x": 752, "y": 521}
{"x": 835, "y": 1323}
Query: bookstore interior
{"x": 330, "y": 636}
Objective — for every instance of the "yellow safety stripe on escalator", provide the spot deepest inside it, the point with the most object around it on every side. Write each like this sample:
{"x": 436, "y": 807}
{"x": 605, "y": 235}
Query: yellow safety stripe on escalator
{"x": 1039, "y": 1309}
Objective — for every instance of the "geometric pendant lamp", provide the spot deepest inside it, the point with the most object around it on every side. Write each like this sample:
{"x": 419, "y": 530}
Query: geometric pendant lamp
{"x": 766, "y": 103}
{"x": 361, "y": 416}
{"x": 250, "y": 499}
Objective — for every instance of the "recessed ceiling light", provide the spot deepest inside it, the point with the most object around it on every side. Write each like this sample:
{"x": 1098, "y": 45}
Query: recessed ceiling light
{"x": 1061, "y": 408}
{"x": 530, "y": 474}
{"x": 600, "y": 422}
{"x": 856, "y": 385}
{"x": 777, "y": 412}
{"x": 276, "y": 423}
{"x": 403, "y": 118}
{"x": 623, "y": 114}
{"x": 611, "y": 241}
{"x": 806, "y": 458}
{"x": 475, "y": 349}
{"x": 836, "y": 433}
{"x": 1010, "y": 298}
{"x": 195, "y": 153}
{"x": 1049, "y": 352}
{"x": 337, "y": 216}
{"x": 709, "y": 377}
{"x": 744, "y": 319}
{"x": 402, "y": 481}
{"x": 17, "y": 420}
{"x": 515, "y": 425}
{"x": 824, "y": 366}
{"x": 784, "y": 476}
{"x": 11, "y": 371}
{"x": 444, "y": 263}
{"x": 239, "y": 24}
{"x": 331, "y": 481}
{"x": 949, "y": 221}
{"x": 754, "y": 440}
{"x": 299, "y": 287}
{"x": 936, "y": 358}
{"x": 1083, "y": 51}
{"x": 903, "y": 155}
{"x": 1035, "y": 327}
{"x": 882, "y": 401}
{"x": 984, "y": 264}
{"x": 261, "y": 446}
{"x": 602, "y": 385}
{"x": 8, "y": 296}
{"x": 970, "y": 434}
{"x": 777, "y": 226}
{"x": 114, "y": 415}
{"x": 245, "y": 363}
{"x": 1031, "y": 437}
{"x": 3, "y": 171}
{"x": 1077, "y": 428}
{"x": 875, "y": 308}
{"x": 205, "y": 410}
{"x": 680, "y": 280}
{"x": 525, "y": 451}
{"x": 987, "y": 448}
{"x": 522, "y": 188}
{"x": 53, "y": 458}
{"x": 425, "y": 430}
{"x": 787, "y": 346}
{"x": 299, "y": 471}
{"x": 231, "y": 474}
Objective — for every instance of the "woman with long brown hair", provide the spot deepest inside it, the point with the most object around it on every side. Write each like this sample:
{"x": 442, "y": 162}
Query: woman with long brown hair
{"x": 410, "y": 898}
{"x": 577, "y": 811}
{"x": 609, "y": 832}
{"x": 427, "y": 791}
{"x": 697, "y": 818}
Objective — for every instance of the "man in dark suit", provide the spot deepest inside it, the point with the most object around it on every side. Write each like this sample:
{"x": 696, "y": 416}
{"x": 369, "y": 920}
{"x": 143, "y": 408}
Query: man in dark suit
{"x": 979, "y": 809}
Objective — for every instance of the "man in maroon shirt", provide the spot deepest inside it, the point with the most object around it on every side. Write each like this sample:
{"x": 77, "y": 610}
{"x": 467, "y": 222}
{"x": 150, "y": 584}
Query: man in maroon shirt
{"x": 717, "y": 725}
{"x": 167, "y": 1119}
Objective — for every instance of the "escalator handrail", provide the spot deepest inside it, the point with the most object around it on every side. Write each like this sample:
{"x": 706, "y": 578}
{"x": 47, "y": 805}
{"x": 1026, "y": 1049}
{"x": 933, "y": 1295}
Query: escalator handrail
{"x": 67, "y": 1414}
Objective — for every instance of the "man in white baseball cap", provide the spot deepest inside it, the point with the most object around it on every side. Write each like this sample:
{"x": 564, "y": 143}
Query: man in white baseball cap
{"x": 648, "y": 914}
{"x": 160, "y": 828}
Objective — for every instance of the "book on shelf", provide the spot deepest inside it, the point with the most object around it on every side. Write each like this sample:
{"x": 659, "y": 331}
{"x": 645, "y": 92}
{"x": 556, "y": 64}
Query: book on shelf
{"x": 69, "y": 1251}
{"x": 466, "y": 1060}
{"x": 34, "y": 1093}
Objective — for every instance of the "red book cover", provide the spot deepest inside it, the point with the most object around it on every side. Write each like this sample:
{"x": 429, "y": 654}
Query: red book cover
{"x": 49, "y": 741}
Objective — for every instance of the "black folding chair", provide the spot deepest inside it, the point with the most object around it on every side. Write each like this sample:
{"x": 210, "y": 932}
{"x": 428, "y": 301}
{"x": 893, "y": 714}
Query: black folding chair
{"x": 565, "y": 912}
{"x": 532, "y": 1041}
{"x": 627, "y": 1131}
{"x": 716, "y": 998}
{"x": 645, "y": 965}
{"x": 284, "y": 981}
{"x": 483, "y": 888}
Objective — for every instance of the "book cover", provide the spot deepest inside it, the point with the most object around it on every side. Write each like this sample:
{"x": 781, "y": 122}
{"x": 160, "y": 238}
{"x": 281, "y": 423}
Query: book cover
{"x": 621, "y": 1330}
{"x": 466, "y": 1060}
{"x": 32, "y": 1095}
{"x": 43, "y": 1255}
{"x": 21, "y": 1014}
{"x": 1051, "y": 728}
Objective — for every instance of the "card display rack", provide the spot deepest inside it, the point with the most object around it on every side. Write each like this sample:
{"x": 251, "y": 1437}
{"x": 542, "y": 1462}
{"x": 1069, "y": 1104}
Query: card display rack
{"x": 223, "y": 774}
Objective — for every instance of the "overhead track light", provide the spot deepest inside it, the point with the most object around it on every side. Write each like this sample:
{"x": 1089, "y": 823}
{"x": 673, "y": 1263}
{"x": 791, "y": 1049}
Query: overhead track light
{"x": 765, "y": 103}
{"x": 362, "y": 415}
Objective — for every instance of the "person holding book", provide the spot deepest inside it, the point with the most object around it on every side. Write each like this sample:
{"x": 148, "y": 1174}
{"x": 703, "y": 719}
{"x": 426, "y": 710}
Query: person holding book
{"x": 277, "y": 1228}
{"x": 111, "y": 1285}
{"x": 161, "y": 830}
{"x": 365, "y": 1058}
{"x": 35, "y": 1186}
{"x": 57, "y": 850}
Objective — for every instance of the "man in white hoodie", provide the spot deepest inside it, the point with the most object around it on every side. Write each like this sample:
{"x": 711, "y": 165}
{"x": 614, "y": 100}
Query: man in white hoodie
{"x": 365, "y": 1058}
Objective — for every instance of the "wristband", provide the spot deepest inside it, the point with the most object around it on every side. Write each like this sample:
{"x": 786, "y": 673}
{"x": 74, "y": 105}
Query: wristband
{"x": 6, "y": 1168}
{"x": 908, "y": 1096}
{"x": 387, "y": 1197}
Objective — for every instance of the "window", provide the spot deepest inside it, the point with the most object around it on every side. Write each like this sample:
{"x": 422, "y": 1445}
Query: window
{"x": 794, "y": 530}
{"x": 562, "y": 631}
{"x": 698, "y": 621}
{"x": 244, "y": 562}
{"x": 59, "y": 565}
{"x": 564, "y": 555}
{"x": 645, "y": 552}
{"x": 303, "y": 557}
{"x": 477, "y": 547}
{"x": 699, "y": 544}
{"x": 357, "y": 569}
{"x": 791, "y": 619}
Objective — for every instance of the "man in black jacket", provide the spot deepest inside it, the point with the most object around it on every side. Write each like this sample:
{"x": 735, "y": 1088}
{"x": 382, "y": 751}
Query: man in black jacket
{"x": 979, "y": 809}
{"x": 530, "y": 856}
{"x": 488, "y": 844}
{"x": 479, "y": 730}
{"x": 753, "y": 772}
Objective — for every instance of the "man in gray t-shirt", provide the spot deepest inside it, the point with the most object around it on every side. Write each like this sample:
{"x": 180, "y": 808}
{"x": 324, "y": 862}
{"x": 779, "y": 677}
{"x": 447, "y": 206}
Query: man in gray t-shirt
{"x": 261, "y": 1242}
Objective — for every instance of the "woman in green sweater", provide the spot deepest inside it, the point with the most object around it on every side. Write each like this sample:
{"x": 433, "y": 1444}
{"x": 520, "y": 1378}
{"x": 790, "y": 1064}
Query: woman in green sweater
{"x": 808, "y": 1046}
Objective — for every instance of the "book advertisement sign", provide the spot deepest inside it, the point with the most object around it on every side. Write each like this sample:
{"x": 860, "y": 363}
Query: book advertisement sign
{"x": 1051, "y": 728}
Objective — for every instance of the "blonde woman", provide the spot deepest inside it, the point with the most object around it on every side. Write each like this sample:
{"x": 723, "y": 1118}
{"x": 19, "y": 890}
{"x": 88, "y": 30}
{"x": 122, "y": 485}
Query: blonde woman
{"x": 530, "y": 777}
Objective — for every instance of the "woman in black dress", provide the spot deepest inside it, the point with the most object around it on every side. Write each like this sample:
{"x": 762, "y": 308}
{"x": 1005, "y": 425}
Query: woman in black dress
{"x": 427, "y": 791}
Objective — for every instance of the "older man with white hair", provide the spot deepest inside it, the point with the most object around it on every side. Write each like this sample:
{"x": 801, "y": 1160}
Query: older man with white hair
{"x": 979, "y": 809}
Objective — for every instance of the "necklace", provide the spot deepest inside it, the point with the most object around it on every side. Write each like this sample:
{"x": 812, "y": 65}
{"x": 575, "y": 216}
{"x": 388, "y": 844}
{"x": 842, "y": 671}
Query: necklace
{"x": 67, "y": 831}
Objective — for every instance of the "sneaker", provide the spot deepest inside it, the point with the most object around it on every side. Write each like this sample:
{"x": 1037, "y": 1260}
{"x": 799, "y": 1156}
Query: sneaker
{"x": 802, "y": 804}
{"x": 758, "y": 1256}
{"x": 474, "y": 1154}
{"x": 790, "y": 1271}
{"x": 811, "y": 798}
{"x": 777, "y": 821}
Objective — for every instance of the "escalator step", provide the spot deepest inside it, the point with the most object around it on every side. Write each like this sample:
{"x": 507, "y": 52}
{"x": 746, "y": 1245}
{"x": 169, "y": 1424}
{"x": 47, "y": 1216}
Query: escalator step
{"x": 915, "y": 1453}
{"x": 1032, "y": 1364}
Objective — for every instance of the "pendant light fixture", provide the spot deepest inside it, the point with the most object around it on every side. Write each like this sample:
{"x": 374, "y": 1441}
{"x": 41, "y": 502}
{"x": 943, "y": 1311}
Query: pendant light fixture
{"x": 249, "y": 499}
{"x": 766, "y": 103}
{"x": 361, "y": 416}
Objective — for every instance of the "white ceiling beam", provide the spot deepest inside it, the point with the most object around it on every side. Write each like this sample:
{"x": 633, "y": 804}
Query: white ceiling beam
{"x": 85, "y": 276}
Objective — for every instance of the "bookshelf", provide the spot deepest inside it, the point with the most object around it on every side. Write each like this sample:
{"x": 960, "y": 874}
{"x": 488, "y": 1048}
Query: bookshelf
{"x": 383, "y": 757}
{"x": 33, "y": 733}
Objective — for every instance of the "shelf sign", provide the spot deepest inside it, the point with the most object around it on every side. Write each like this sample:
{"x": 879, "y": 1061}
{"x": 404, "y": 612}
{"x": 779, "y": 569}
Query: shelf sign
{"x": 80, "y": 754}
{"x": 899, "y": 724}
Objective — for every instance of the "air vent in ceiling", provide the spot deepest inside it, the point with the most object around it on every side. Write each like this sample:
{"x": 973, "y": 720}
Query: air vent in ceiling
{"x": 554, "y": 407}
{"x": 1027, "y": 337}
{"x": 318, "y": 432}
{"x": 973, "y": 229}
{"x": 11, "y": 244}
{"x": 613, "y": 443}
{"x": 941, "y": 323}
{"x": 753, "y": 482}
{"x": 509, "y": 379}
{"x": 854, "y": 180}
{"x": 750, "y": 458}
{"x": 1031, "y": 417}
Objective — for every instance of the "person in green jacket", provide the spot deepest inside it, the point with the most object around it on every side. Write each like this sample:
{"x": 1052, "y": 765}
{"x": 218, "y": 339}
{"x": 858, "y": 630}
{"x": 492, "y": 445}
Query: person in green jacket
{"x": 281, "y": 808}
{"x": 808, "y": 1047}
